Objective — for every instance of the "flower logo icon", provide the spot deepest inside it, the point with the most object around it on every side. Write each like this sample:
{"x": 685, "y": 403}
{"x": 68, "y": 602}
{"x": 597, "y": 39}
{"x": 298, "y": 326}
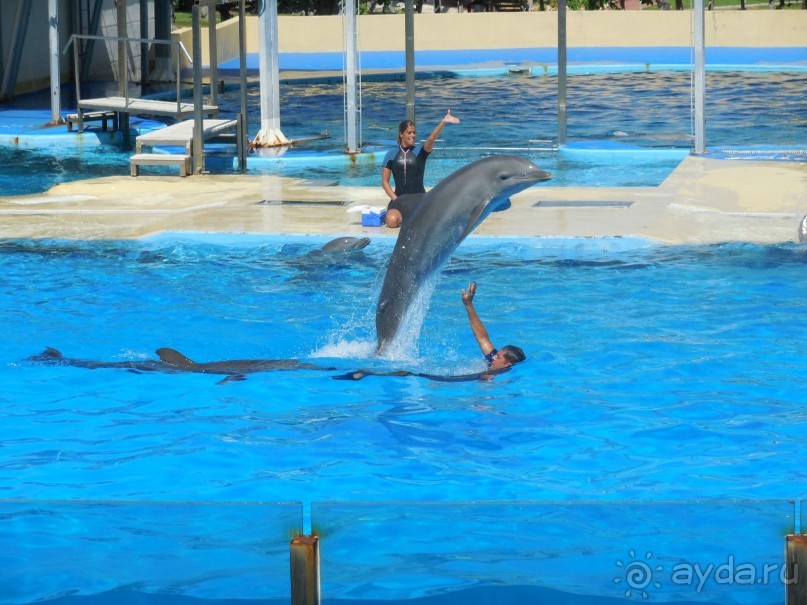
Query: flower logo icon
{"x": 638, "y": 574}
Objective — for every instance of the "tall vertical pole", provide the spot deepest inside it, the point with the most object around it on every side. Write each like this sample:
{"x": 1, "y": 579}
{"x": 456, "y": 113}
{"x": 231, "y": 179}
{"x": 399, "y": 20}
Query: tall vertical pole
{"x": 269, "y": 68}
{"x": 243, "y": 127}
{"x": 409, "y": 33}
{"x": 122, "y": 69}
{"x": 700, "y": 78}
{"x": 213, "y": 52}
{"x": 351, "y": 96}
{"x": 55, "y": 75}
{"x": 562, "y": 104}
{"x": 144, "y": 47}
{"x": 198, "y": 166}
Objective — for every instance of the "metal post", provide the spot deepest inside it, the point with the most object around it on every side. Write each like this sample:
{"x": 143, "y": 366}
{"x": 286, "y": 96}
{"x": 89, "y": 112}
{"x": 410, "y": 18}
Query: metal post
{"x": 123, "y": 72}
{"x": 144, "y": 47}
{"x": 700, "y": 78}
{"x": 562, "y": 103}
{"x": 304, "y": 564}
{"x": 55, "y": 74}
{"x": 796, "y": 569}
{"x": 212, "y": 47}
{"x": 409, "y": 33}
{"x": 198, "y": 160}
{"x": 351, "y": 53}
{"x": 242, "y": 129}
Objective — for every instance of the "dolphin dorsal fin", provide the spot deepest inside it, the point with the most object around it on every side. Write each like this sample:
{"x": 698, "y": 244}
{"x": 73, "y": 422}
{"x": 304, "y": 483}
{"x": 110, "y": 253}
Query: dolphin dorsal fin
{"x": 174, "y": 358}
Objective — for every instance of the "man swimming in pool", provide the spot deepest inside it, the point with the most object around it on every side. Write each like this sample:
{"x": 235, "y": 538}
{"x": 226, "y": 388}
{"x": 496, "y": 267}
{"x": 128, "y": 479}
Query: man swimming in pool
{"x": 406, "y": 163}
{"x": 497, "y": 360}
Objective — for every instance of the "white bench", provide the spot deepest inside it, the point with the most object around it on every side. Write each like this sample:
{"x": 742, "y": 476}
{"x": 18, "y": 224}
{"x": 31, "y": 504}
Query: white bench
{"x": 160, "y": 159}
{"x": 95, "y": 116}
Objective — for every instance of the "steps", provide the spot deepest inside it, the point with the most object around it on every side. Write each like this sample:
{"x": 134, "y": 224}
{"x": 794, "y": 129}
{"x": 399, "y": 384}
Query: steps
{"x": 183, "y": 161}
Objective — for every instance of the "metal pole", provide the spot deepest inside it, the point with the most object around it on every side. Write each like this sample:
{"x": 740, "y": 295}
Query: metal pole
{"x": 144, "y": 47}
{"x": 562, "y": 104}
{"x": 409, "y": 33}
{"x": 700, "y": 78}
{"x": 123, "y": 71}
{"x": 351, "y": 50}
{"x": 198, "y": 160}
{"x": 304, "y": 564}
{"x": 55, "y": 74}
{"x": 241, "y": 131}
{"x": 212, "y": 47}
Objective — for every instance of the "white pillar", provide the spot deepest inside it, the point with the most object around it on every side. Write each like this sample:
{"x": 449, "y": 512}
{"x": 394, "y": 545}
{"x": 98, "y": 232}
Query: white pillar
{"x": 351, "y": 70}
{"x": 55, "y": 74}
{"x": 700, "y": 78}
{"x": 270, "y": 134}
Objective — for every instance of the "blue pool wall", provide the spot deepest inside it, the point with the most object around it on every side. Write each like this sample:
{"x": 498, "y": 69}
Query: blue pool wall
{"x": 778, "y": 57}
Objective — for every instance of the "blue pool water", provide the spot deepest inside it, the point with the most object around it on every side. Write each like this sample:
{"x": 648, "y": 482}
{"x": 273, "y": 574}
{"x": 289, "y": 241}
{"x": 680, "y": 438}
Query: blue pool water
{"x": 625, "y": 129}
{"x": 654, "y": 374}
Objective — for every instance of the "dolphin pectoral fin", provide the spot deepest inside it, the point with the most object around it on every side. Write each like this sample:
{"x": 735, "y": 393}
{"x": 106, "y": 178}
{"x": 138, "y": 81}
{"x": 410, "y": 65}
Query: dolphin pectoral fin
{"x": 473, "y": 219}
{"x": 175, "y": 358}
{"x": 357, "y": 375}
{"x": 504, "y": 206}
{"x": 232, "y": 378}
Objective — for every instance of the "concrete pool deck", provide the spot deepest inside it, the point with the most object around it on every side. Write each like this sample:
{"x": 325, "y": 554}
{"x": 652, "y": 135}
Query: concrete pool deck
{"x": 703, "y": 201}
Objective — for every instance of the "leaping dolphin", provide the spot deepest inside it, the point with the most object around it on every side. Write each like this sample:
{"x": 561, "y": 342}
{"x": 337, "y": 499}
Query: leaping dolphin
{"x": 174, "y": 362}
{"x": 437, "y": 225}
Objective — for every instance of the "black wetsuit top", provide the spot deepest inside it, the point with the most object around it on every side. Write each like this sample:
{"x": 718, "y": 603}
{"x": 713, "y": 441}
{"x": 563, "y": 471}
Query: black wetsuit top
{"x": 408, "y": 167}
{"x": 405, "y": 203}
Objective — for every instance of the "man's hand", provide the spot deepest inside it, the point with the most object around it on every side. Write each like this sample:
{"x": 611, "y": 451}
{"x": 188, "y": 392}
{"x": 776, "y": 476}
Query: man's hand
{"x": 468, "y": 296}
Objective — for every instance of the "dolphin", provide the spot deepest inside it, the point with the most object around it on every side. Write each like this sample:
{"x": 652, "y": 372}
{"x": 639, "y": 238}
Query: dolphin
{"x": 437, "y": 225}
{"x": 345, "y": 244}
{"x": 235, "y": 369}
{"x": 174, "y": 362}
{"x": 802, "y": 232}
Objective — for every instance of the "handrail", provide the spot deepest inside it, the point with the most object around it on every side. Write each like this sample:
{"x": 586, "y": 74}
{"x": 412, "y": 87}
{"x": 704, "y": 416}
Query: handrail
{"x": 126, "y": 39}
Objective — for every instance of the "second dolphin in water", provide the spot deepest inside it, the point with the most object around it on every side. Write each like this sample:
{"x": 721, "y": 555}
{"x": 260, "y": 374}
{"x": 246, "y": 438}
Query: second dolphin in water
{"x": 438, "y": 224}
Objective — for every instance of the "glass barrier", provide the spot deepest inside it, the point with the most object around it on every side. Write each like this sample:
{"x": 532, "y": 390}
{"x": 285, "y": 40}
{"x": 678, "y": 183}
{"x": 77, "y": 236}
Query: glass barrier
{"x": 133, "y": 552}
{"x": 490, "y": 553}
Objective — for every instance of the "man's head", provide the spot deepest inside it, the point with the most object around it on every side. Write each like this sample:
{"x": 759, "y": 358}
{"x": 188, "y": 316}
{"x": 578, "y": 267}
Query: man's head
{"x": 393, "y": 219}
{"x": 506, "y": 357}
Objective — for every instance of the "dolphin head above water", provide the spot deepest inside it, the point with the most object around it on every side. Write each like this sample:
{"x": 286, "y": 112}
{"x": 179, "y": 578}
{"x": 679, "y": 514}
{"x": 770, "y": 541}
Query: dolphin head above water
{"x": 343, "y": 244}
{"x": 432, "y": 231}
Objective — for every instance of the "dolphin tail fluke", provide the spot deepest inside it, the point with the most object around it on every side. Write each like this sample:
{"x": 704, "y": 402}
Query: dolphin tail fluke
{"x": 175, "y": 358}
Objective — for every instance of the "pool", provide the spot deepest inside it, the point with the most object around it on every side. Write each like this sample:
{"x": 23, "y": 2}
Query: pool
{"x": 654, "y": 374}
{"x": 625, "y": 129}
